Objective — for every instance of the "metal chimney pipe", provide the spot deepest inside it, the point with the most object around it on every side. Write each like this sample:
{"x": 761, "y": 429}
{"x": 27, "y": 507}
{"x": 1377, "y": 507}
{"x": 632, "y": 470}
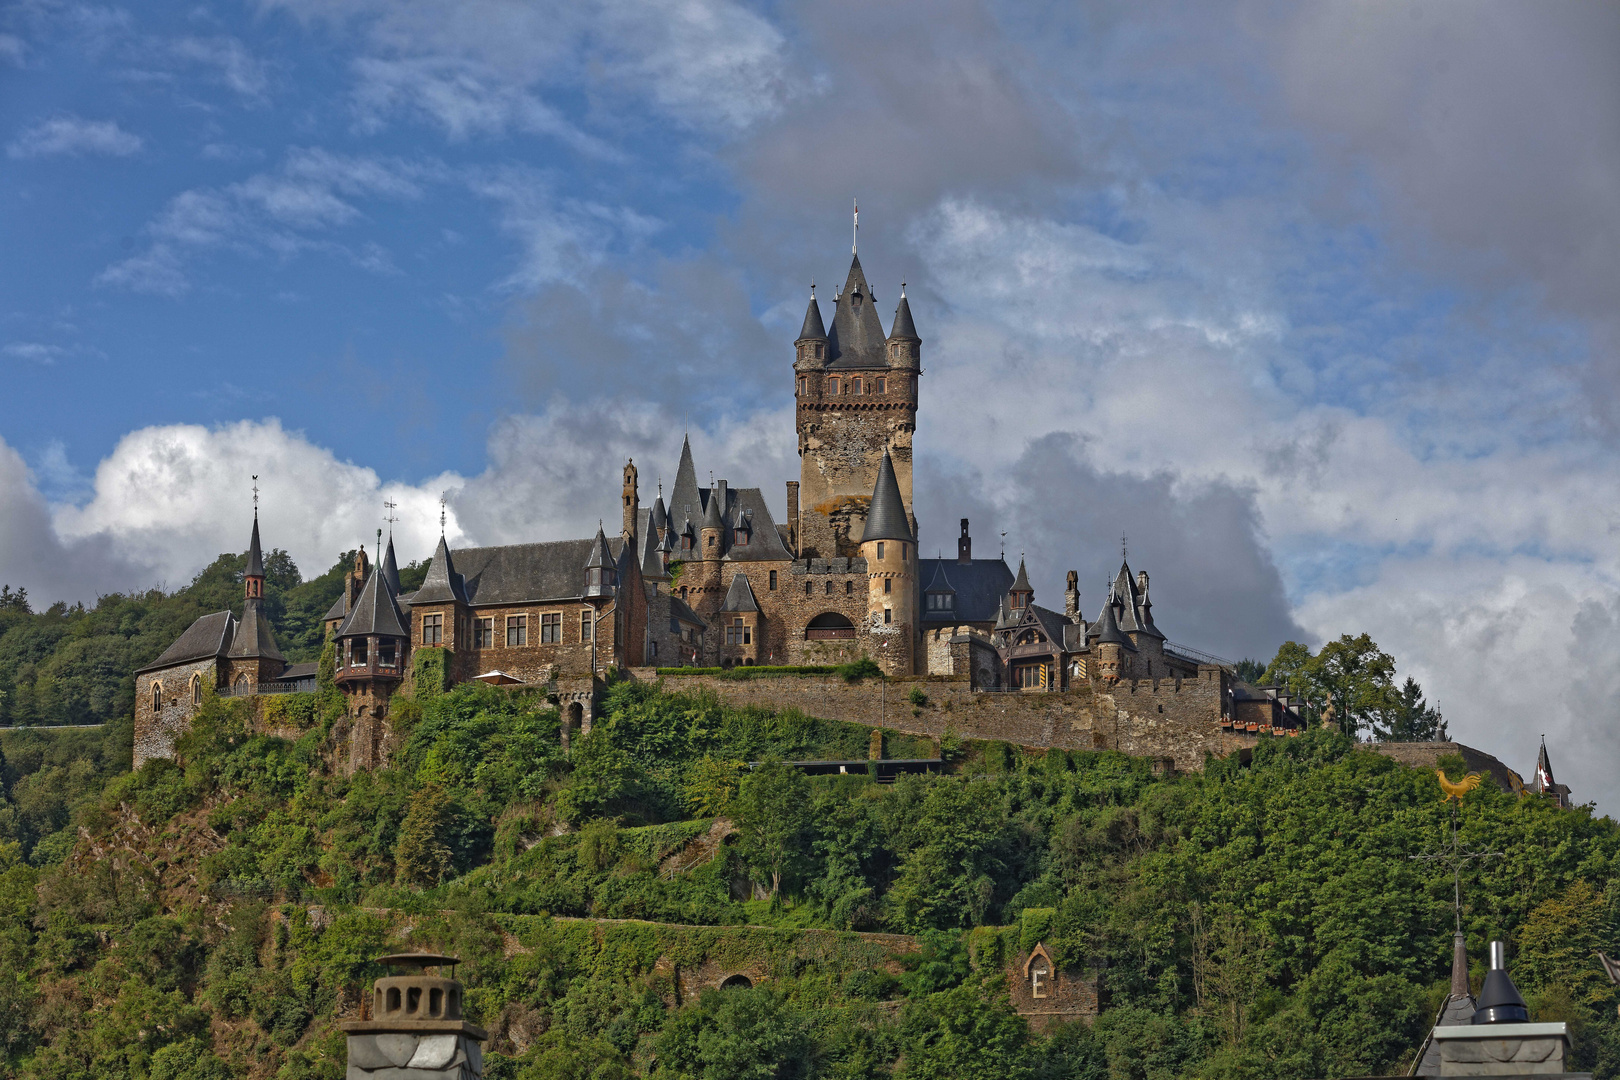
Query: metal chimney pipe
{"x": 1498, "y": 956}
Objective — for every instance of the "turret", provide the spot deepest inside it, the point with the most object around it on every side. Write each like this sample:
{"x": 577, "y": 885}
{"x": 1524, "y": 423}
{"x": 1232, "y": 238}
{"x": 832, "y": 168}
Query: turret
{"x": 601, "y": 573}
{"x": 373, "y": 647}
{"x": 632, "y": 501}
{"x": 712, "y": 537}
{"x": 1022, "y": 593}
{"x": 964, "y": 545}
{"x": 254, "y": 657}
{"x": 810, "y": 350}
{"x": 904, "y": 346}
{"x": 1071, "y": 597}
{"x": 891, "y": 567}
{"x": 253, "y": 576}
{"x": 1113, "y": 649}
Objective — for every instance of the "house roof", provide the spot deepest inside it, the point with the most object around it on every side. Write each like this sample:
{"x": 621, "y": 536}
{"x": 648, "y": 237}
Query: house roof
{"x": 1136, "y": 611}
{"x": 390, "y": 567}
{"x": 375, "y": 611}
{"x": 254, "y": 639}
{"x": 980, "y": 587}
{"x": 814, "y": 328}
{"x": 740, "y": 596}
{"x": 856, "y": 339}
{"x": 442, "y": 584}
{"x": 525, "y": 573}
{"x": 209, "y": 635}
{"x": 886, "y": 517}
{"x": 339, "y": 606}
{"x": 681, "y": 610}
{"x": 255, "y": 559}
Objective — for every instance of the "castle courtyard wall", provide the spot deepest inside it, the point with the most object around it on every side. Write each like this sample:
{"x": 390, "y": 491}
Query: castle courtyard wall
{"x": 156, "y": 731}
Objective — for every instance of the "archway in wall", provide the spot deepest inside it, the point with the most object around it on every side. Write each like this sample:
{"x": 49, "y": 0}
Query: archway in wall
{"x": 737, "y": 982}
{"x": 829, "y": 625}
{"x": 576, "y": 716}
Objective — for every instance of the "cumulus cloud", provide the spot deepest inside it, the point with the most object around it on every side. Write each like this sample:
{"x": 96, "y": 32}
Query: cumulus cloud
{"x": 71, "y": 136}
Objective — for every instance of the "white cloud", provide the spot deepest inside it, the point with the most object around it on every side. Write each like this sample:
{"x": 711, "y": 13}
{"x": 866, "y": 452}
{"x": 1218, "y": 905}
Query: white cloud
{"x": 12, "y": 50}
{"x": 32, "y": 351}
{"x": 70, "y": 135}
{"x": 229, "y": 58}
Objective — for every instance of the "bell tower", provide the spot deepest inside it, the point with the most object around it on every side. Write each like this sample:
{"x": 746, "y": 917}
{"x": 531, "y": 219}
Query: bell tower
{"x": 855, "y": 388}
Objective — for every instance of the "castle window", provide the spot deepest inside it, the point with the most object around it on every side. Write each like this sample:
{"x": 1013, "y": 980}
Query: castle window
{"x": 484, "y": 635}
{"x": 432, "y": 629}
{"x": 829, "y": 588}
{"x": 941, "y": 601}
{"x": 888, "y": 586}
{"x": 807, "y": 588}
{"x": 905, "y": 552}
{"x": 517, "y": 630}
{"x": 551, "y": 628}
{"x": 1031, "y": 676}
{"x": 832, "y": 386}
{"x": 880, "y": 549}
{"x": 888, "y": 615}
{"x": 357, "y": 652}
{"x": 740, "y": 537}
{"x": 686, "y": 545}
{"x": 196, "y": 689}
{"x": 683, "y": 592}
{"x": 586, "y": 624}
{"x": 738, "y": 633}
{"x": 385, "y": 654}
{"x": 804, "y": 385}
{"x": 773, "y": 581}
{"x": 157, "y": 696}
{"x": 854, "y": 386}
{"x": 849, "y": 588}
{"x": 820, "y": 351}
{"x": 880, "y": 386}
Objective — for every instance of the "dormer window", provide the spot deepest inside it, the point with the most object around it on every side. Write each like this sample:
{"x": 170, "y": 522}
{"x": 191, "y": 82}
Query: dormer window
{"x": 941, "y": 601}
{"x": 1017, "y": 600}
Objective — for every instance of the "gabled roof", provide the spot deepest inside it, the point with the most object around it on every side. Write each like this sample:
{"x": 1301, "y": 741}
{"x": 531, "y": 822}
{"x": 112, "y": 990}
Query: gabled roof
{"x": 209, "y": 636}
{"x": 375, "y": 611}
{"x": 886, "y": 517}
{"x": 526, "y": 573}
{"x": 254, "y": 639}
{"x": 904, "y": 329}
{"x": 814, "y": 329}
{"x": 390, "y": 568}
{"x": 442, "y": 584}
{"x": 740, "y": 596}
{"x": 255, "y": 559}
{"x": 856, "y": 339}
{"x": 980, "y": 585}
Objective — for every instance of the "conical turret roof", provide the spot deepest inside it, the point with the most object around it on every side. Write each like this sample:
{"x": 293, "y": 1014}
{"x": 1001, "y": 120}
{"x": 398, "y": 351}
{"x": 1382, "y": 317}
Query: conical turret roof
{"x": 376, "y": 610}
{"x": 254, "y": 639}
{"x": 442, "y": 584}
{"x": 740, "y": 596}
{"x": 886, "y": 517}
{"x": 1544, "y": 773}
{"x": 601, "y": 554}
{"x": 686, "y": 492}
{"x": 390, "y": 567}
{"x": 1021, "y": 582}
{"x": 814, "y": 329}
{"x": 857, "y": 338}
{"x": 255, "y": 559}
{"x": 712, "y": 511}
{"x": 660, "y": 516}
{"x": 904, "y": 328}
{"x": 1108, "y": 631}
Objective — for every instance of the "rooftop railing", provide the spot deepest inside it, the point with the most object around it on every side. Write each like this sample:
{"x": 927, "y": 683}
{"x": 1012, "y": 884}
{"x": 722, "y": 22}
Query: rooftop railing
{"x": 253, "y": 689}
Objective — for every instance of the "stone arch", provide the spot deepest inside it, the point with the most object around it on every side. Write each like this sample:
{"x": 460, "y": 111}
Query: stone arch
{"x": 196, "y": 690}
{"x": 157, "y": 696}
{"x": 829, "y": 625}
{"x": 737, "y": 982}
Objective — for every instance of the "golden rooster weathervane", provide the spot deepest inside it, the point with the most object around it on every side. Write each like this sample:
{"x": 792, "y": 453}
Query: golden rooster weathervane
{"x": 1455, "y": 791}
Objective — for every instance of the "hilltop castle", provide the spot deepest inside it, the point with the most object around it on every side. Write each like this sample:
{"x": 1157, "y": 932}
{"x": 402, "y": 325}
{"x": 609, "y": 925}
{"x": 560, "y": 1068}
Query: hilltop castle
{"x": 710, "y": 579}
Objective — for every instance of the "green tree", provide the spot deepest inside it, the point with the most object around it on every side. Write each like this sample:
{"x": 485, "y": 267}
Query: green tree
{"x": 1409, "y": 718}
{"x": 969, "y": 1032}
{"x": 772, "y": 811}
{"x": 422, "y": 857}
{"x": 1352, "y": 676}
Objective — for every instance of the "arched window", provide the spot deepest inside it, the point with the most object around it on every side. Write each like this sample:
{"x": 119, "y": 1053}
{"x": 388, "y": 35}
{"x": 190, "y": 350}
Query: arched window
{"x": 157, "y": 696}
{"x": 196, "y": 689}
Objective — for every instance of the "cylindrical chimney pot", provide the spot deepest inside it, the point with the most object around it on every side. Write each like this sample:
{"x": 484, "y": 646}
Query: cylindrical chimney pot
{"x": 1498, "y": 956}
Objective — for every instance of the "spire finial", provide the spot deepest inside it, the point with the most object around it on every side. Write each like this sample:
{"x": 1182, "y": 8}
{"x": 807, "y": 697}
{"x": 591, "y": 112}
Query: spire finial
{"x": 902, "y": 290}
{"x": 854, "y": 239}
{"x": 441, "y": 517}
{"x": 812, "y": 288}
{"x": 379, "y": 547}
{"x": 256, "y": 503}
{"x": 390, "y": 505}
{"x": 1124, "y": 547}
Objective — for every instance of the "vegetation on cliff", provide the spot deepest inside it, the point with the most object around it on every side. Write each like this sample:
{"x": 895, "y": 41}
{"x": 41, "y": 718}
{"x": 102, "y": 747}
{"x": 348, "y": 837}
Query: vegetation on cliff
{"x": 214, "y": 918}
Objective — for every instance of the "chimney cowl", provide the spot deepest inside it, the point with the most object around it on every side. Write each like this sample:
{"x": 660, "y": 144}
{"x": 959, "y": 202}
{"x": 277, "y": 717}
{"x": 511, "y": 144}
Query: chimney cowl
{"x": 1499, "y": 1000}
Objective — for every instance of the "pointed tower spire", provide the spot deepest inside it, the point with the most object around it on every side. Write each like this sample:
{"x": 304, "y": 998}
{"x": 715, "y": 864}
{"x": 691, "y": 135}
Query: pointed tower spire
{"x": 390, "y": 567}
{"x": 814, "y": 329}
{"x": 601, "y": 572}
{"x": 856, "y": 339}
{"x": 904, "y": 328}
{"x": 253, "y": 576}
{"x": 442, "y": 584}
{"x": 886, "y": 516}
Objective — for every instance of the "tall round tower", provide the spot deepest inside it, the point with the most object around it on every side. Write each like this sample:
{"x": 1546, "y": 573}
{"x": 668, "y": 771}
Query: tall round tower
{"x": 890, "y": 552}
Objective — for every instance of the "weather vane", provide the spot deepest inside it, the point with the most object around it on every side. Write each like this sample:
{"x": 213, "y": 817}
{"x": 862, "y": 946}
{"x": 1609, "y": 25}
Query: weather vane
{"x": 390, "y": 505}
{"x": 1124, "y": 547}
{"x": 854, "y": 239}
{"x": 255, "y": 494}
{"x": 441, "y": 515}
{"x": 1454, "y": 854}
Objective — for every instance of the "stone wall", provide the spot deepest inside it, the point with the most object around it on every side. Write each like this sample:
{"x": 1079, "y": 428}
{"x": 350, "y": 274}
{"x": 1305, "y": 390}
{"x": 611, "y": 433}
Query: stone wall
{"x": 1045, "y": 993}
{"x": 1178, "y": 719}
{"x": 1427, "y": 755}
{"x": 156, "y": 730}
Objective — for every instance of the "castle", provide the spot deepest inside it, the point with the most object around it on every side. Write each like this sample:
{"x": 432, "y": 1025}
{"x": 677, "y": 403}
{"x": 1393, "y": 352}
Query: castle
{"x": 710, "y": 579}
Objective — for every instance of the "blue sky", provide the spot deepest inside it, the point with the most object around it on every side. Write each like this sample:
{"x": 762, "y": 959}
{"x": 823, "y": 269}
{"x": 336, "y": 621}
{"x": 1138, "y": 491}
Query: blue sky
{"x": 1315, "y": 304}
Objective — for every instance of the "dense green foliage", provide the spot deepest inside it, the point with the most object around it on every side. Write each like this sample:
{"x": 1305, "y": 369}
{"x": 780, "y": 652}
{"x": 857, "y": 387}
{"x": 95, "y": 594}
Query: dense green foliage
{"x": 1352, "y": 682}
{"x": 1256, "y": 919}
{"x": 72, "y": 664}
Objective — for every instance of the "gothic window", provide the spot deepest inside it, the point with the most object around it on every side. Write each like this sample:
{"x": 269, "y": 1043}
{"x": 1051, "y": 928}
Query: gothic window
{"x": 517, "y": 630}
{"x": 196, "y": 689}
{"x": 585, "y": 625}
{"x": 432, "y": 629}
{"x": 880, "y": 386}
{"x": 551, "y": 628}
{"x": 773, "y": 581}
{"x": 157, "y": 696}
{"x": 484, "y": 637}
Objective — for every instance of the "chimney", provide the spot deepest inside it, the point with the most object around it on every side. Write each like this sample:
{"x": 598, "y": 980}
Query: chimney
{"x": 1499, "y": 1000}
{"x": 1071, "y": 597}
{"x": 964, "y": 545}
{"x": 1141, "y": 582}
{"x": 793, "y": 516}
{"x": 417, "y": 1022}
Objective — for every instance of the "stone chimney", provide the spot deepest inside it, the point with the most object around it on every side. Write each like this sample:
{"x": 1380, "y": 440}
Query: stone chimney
{"x": 964, "y": 545}
{"x": 1500, "y": 1040}
{"x": 1071, "y": 597}
{"x": 415, "y": 1027}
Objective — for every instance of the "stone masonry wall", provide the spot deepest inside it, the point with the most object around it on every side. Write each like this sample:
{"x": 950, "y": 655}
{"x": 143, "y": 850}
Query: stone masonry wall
{"x": 1179, "y": 719}
{"x": 156, "y": 731}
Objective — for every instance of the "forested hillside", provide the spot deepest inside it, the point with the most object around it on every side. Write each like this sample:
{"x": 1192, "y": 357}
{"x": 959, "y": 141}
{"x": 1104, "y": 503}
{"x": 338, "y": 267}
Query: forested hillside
{"x": 212, "y": 919}
{"x": 71, "y": 664}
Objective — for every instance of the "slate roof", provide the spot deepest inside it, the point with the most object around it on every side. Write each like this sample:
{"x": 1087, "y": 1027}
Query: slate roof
{"x": 600, "y": 555}
{"x": 903, "y": 329}
{"x": 856, "y": 339}
{"x": 1108, "y": 631}
{"x": 980, "y": 587}
{"x": 680, "y": 610}
{"x": 686, "y": 498}
{"x": 886, "y": 517}
{"x": 255, "y": 560}
{"x": 1136, "y": 611}
{"x": 1022, "y": 583}
{"x": 525, "y": 573}
{"x": 300, "y": 672}
{"x": 813, "y": 328}
{"x": 939, "y": 583}
{"x": 442, "y": 584}
{"x": 253, "y": 637}
{"x": 338, "y": 609}
{"x": 660, "y": 517}
{"x": 209, "y": 636}
{"x": 690, "y": 505}
{"x": 390, "y": 567}
{"x": 711, "y": 510}
{"x": 740, "y": 596}
{"x": 375, "y": 611}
